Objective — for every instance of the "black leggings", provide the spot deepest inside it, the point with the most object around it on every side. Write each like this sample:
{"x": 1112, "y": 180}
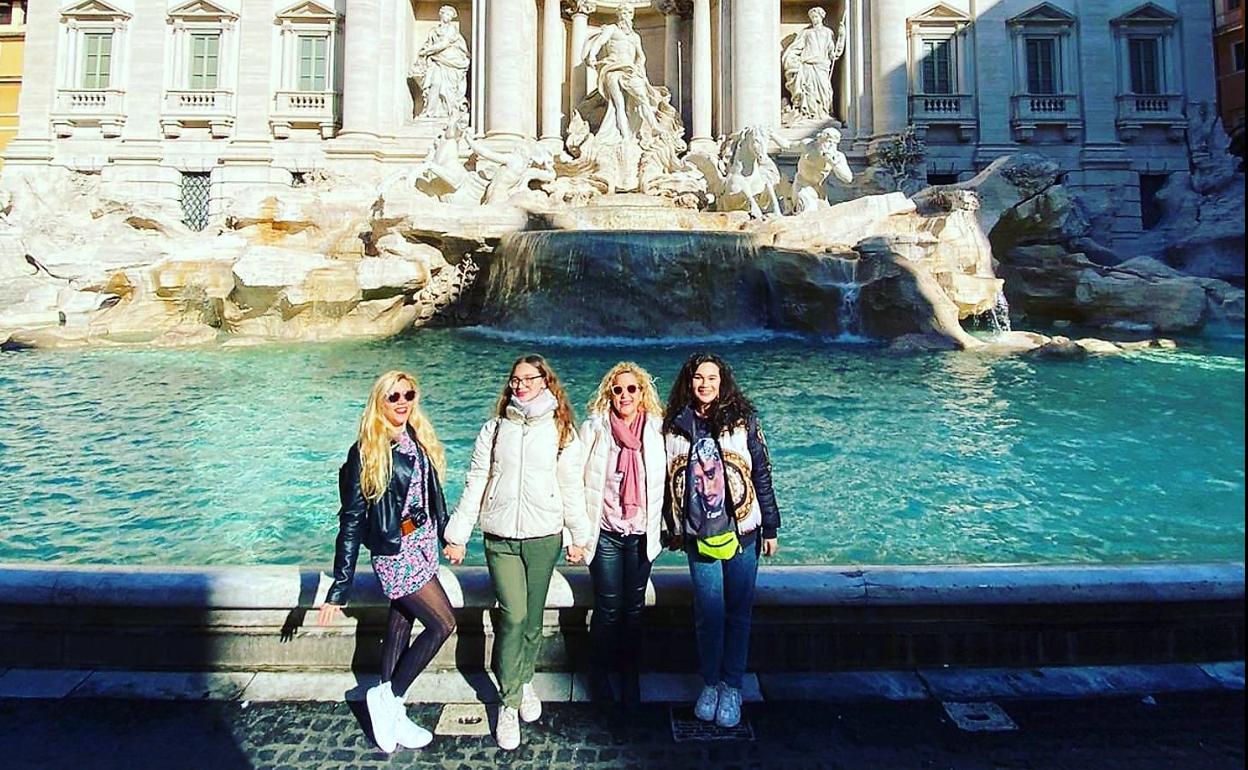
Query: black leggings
{"x": 401, "y": 663}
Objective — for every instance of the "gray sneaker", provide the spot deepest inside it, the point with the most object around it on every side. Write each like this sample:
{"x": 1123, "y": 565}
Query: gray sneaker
{"x": 708, "y": 703}
{"x": 728, "y": 711}
{"x": 508, "y": 731}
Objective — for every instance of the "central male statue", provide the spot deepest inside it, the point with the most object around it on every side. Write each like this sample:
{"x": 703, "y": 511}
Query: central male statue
{"x": 616, "y": 54}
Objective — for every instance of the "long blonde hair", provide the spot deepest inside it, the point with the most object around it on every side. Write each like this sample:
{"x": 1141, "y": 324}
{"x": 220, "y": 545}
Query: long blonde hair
{"x": 376, "y": 431}
{"x": 601, "y": 401}
{"x": 565, "y": 416}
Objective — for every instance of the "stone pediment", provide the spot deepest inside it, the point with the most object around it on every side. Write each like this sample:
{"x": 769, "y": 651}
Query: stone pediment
{"x": 308, "y": 10}
{"x": 939, "y": 15}
{"x": 201, "y": 10}
{"x": 1148, "y": 14}
{"x": 1043, "y": 14}
{"x": 93, "y": 9}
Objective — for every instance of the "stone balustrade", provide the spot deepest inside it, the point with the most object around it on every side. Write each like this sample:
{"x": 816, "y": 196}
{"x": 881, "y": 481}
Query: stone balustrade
{"x": 317, "y": 109}
{"x": 1032, "y": 110}
{"x": 103, "y": 107}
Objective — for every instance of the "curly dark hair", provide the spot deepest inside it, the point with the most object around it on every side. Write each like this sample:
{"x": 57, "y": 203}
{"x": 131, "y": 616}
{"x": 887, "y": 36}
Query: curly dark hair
{"x": 728, "y": 411}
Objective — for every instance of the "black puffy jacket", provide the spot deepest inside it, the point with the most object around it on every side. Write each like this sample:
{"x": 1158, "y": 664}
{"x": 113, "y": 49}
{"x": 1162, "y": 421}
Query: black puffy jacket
{"x": 377, "y": 524}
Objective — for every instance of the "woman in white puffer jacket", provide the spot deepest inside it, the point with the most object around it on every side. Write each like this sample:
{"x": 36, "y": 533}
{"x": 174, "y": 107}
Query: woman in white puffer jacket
{"x": 625, "y": 470}
{"x": 524, "y": 486}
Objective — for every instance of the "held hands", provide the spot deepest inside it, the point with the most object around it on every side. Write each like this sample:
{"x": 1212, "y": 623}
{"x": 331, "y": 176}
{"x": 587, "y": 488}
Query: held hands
{"x": 327, "y": 613}
{"x": 454, "y": 553}
{"x": 771, "y": 546}
{"x": 576, "y": 554}
{"x": 676, "y": 542}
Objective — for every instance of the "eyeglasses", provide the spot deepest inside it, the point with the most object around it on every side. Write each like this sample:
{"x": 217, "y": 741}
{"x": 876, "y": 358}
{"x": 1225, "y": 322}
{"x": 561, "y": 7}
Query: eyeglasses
{"x": 618, "y": 389}
{"x": 516, "y": 382}
{"x": 396, "y": 396}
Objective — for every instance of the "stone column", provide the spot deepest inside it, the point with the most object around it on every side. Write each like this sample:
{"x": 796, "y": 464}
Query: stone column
{"x": 579, "y": 10}
{"x": 673, "y": 11}
{"x": 248, "y": 160}
{"x": 857, "y": 110}
{"x": 552, "y": 75}
{"x": 510, "y": 91}
{"x": 702, "y": 94}
{"x": 755, "y": 92}
{"x": 889, "y": 67}
{"x": 359, "y": 88}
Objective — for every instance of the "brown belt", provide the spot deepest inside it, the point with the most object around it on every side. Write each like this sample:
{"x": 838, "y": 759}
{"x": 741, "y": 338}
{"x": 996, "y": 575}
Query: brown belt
{"x": 407, "y": 527}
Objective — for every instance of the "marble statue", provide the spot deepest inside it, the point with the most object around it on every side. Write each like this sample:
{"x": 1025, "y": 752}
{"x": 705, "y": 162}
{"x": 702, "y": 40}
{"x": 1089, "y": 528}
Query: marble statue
{"x": 509, "y": 172}
{"x": 441, "y": 67}
{"x": 615, "y": 53}
{"x": 820, "y": 159}
{"x": 442, "y": 173}
{"x": 743, "y": 175}
{"x": 626, "y": 132}
{"x": 808, "y": 63}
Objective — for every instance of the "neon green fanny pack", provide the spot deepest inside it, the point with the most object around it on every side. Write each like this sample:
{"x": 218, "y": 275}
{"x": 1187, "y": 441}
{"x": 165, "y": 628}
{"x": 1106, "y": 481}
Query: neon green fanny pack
{"x": 722, "y": 546}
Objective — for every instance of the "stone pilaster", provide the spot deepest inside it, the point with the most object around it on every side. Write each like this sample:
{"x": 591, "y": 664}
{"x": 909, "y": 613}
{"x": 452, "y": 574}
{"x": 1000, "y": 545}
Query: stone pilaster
{"x": 890, "y": 88}
{"x": 359, "y": 88}
{"x": 33, "y": 143}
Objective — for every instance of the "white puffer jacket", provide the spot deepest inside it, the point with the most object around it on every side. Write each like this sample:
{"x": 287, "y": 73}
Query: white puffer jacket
{"x": 522, "y": 486}
{"x": 596, "y": 438}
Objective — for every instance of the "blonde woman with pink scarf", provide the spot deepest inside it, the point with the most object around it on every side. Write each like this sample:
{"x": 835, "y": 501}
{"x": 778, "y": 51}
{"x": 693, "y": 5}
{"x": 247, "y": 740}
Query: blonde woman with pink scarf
{"x": 625, "y": 470}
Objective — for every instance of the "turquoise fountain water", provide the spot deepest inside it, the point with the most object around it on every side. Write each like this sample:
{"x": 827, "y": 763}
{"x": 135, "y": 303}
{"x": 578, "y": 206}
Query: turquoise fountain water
{"x": 229, "y": 456}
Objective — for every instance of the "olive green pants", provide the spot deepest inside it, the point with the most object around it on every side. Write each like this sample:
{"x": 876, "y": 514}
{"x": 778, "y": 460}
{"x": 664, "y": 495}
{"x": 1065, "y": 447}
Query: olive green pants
{"x": 520, "y": 571}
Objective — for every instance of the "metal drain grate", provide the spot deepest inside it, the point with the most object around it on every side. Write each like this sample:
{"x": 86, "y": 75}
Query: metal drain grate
{"x": 979, "y": 717}
{"x": 687, "y": 727}
{"x": 463, "y": 719}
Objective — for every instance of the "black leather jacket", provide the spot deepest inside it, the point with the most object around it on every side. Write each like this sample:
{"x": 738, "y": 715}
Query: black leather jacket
{"x": 377, "y": 524}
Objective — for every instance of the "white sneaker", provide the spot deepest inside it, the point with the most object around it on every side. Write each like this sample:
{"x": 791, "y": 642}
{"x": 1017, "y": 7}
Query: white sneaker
{"x": 728, "y": 712}
{"x": 530, "y": 706}
{"x": 708, "y": 702}
{"x": 381, "y": 713}
{"x": 409, "y": 734}
{"x": 508, "y": 732}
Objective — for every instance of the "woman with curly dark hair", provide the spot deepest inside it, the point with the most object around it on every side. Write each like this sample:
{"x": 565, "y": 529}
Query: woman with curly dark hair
{"x": 524, "y": 487}
{"x": 720, "y": 508}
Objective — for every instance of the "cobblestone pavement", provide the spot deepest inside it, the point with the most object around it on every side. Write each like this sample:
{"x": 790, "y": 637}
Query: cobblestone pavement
{"x": 1191, "y": 732}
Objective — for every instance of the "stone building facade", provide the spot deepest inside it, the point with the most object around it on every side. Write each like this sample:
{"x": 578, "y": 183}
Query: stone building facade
{"x": 191, "y": 99}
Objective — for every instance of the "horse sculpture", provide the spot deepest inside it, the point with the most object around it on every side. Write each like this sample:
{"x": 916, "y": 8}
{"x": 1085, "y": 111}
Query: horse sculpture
{"x": 744, "y": 177}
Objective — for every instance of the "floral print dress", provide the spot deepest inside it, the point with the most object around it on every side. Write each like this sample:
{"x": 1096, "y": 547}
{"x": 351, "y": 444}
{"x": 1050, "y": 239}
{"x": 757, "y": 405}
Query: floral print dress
{"x": 416, "y": 563}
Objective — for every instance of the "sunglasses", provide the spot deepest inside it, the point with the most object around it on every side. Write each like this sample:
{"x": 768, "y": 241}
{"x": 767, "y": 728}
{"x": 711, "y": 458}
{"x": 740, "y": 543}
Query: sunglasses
{"x": 618, "y": 389}
{"x": 401, "y": 395}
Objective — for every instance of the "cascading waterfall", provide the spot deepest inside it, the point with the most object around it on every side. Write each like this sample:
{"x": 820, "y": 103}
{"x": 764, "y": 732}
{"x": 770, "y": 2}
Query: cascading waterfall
{"x": 848, "y": 312}
{"x": 623, "y": 283}
{"x": 1001, "y": 315}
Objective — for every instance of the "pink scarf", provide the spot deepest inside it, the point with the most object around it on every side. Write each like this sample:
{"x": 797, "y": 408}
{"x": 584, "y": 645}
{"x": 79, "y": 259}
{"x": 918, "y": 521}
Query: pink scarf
{"x": 632, "y": 496}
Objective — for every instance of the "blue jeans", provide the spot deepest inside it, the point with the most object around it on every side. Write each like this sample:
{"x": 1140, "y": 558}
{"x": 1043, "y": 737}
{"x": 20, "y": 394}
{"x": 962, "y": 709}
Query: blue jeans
{"x": 620, "y": 570}
{"x": 723, "y": 601}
